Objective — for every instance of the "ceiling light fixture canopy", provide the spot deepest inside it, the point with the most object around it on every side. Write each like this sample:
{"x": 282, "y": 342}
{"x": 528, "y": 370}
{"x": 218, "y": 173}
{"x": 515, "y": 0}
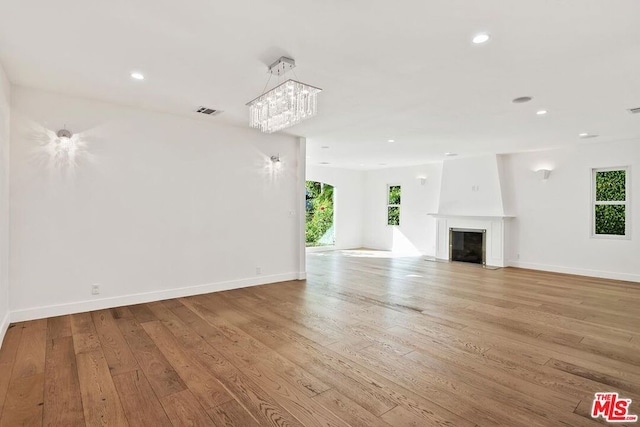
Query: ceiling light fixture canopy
{"x": 287, "y": 104}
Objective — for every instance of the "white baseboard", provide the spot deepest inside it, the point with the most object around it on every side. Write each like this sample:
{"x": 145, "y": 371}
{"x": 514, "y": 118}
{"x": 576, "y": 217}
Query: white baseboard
{"x": 313, "y": 249}
{"x": 302, "y": 275}
{"x": 373, "y": 248}
{"x": 4, "y": 325}
{"x": 577, "y": 271}
{"x": 418, "y": 252}
{"x": 83, "y": 306}
{"x": 496, "y": 265}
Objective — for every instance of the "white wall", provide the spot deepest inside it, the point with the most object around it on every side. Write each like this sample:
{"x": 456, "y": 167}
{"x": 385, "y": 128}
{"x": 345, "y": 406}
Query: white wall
{"x": 416, "y": 232}
{"x": 348, "y": 203}
{"x": 471, "y": 186}
{"x": 552, "y": 227}
{"x": 552, "y": 224}
{"x": 5, "y": 100}
{"x": 155, "y": 206}
{"x": 151, "y": 206}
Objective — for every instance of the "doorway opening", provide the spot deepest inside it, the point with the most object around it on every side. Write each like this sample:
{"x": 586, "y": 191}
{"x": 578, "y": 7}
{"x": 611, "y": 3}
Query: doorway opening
{"x": 320, "y": 228}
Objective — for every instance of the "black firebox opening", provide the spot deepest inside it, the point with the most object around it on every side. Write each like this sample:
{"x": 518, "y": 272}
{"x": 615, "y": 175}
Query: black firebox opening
{"x": 467, "y": 246}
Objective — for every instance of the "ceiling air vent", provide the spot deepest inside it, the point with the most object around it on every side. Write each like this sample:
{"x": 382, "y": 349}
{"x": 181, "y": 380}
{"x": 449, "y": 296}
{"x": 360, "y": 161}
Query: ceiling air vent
{"x": 634, "y": 110}
{"x": 206, "y": 110}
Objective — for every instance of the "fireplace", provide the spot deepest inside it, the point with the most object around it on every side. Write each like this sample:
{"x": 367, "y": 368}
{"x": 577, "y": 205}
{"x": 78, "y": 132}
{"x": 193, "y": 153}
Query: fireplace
{"x": 495, "y": 228}
{"x": 468, "y": 245}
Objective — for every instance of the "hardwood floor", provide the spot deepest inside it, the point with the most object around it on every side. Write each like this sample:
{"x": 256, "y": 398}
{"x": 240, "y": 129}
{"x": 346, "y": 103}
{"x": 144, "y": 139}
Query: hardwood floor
{"x": 366, "y": 341}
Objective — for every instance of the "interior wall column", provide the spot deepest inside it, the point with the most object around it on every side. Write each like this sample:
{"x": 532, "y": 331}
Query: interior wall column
{"x": 301, "y": 187}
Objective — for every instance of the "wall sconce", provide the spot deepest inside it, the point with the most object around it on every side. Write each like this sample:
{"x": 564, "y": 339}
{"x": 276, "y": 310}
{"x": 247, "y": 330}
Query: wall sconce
{"x": 422, "y": 180}
{"x": 543, "y": 174}
{"x": 64, "y": 136}
{"x": 275, "y": 159}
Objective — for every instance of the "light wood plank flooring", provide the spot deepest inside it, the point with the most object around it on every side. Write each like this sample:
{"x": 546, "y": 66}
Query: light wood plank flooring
{"x": 366, "y": 341}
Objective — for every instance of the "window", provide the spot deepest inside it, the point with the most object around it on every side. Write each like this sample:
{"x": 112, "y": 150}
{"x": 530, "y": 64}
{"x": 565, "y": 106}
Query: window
{"x": 610, "y": 208}
{"x": 393, "y": 205}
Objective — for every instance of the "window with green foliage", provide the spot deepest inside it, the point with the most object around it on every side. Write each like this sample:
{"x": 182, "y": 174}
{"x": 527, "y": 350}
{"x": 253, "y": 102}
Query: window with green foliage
{"x": 319, "y": 215}
{"x": 610, "y": 202}
{"x": 393, "y": 205}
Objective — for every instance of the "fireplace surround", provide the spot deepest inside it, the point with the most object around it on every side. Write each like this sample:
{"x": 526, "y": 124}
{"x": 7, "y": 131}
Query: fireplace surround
{"x": 495, "y": 237}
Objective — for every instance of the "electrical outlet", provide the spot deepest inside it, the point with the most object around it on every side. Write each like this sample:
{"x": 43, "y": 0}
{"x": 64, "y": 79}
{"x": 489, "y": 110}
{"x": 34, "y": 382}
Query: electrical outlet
{"x": 258, "y": 270}
{"x": 517, "y": 256}
{"x": 95, "y": 289}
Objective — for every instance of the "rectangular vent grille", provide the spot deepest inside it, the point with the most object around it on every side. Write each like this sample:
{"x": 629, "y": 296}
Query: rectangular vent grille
{"x": 206, "y": 110}
{"x": 634, "y": 110}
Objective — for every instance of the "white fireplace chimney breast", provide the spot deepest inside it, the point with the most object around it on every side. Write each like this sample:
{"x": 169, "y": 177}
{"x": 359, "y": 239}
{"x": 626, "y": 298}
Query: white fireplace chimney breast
{"x": 472, "y": 197}
{"x": 471, "y": 187}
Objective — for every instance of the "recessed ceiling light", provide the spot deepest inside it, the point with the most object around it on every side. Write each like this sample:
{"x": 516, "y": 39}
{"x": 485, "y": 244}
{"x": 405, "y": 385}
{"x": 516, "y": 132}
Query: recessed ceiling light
{"x": 541, "y": 112}
{"x": 481, "y": 38}
{"x": 382, "y": 164}
{"x": 450, "y": 154}
{"x": 522, "y": 99}
{"x": 324, "y": 147}
{"x": 137, "y": 76}
{"x": 361, "y": 164}
{"x": 586, "y": 135}
{"x": 325, "y": 163}
{"x": 391, "y": 140}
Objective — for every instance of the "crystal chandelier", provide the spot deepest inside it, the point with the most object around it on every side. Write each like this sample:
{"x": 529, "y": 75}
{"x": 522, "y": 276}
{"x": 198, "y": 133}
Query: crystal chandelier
{"x": 285, "y": 105}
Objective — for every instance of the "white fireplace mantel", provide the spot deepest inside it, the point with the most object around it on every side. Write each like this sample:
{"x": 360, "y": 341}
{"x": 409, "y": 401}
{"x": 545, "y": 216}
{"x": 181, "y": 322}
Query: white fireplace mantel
{"x": 495, "y": 234}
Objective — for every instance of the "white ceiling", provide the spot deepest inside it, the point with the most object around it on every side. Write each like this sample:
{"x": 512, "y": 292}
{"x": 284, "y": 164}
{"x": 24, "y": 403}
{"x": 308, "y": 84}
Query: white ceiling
{"x": 403, "y": 70}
